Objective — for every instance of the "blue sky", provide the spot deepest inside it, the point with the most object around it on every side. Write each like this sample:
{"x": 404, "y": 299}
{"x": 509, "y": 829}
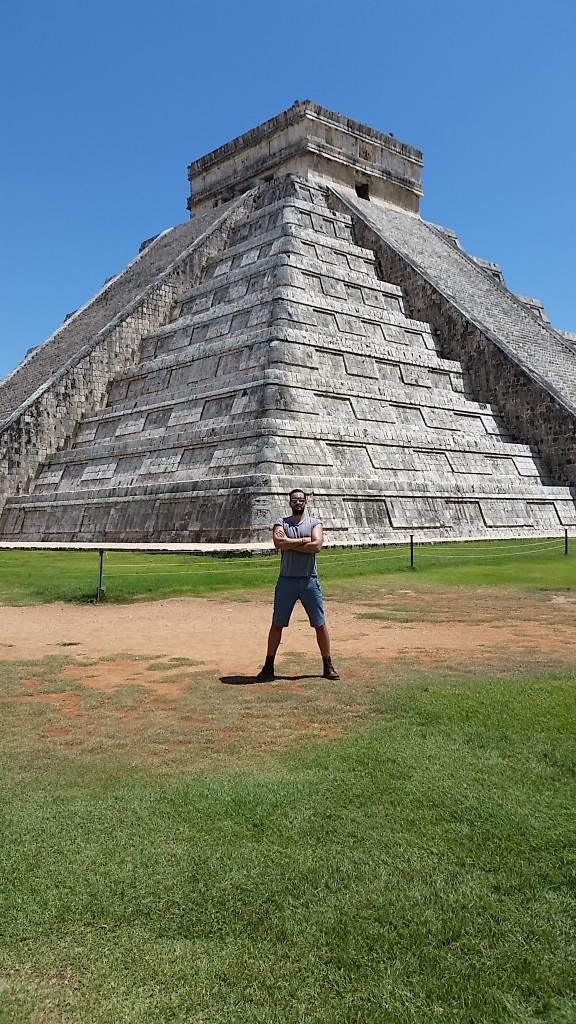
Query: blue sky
{"x": 105, "y": 104}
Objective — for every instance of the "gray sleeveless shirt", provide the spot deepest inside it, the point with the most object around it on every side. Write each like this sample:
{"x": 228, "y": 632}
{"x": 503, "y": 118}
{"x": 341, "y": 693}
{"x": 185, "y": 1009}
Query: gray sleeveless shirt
{"x": 296, "y": 563}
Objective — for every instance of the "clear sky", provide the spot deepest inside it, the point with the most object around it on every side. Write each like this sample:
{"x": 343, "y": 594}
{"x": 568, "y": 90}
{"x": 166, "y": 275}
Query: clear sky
{"x": 104, "y": 104}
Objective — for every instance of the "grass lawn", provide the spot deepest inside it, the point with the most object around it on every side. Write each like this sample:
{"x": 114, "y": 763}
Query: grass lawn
{"x": 202, "y": 859}
{"x": 29, "y": 577}
{"x": 421, "y": 869}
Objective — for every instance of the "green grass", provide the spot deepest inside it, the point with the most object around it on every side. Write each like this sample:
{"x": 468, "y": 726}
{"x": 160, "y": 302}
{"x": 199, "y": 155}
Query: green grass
{"x": 419, "y": 871}
{"x": 28, "y": 577}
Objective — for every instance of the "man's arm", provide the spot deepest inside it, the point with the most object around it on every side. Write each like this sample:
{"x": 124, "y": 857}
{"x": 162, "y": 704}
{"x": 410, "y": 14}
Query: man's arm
{"x": 284, "y": 543}
{"x": 316, "y": 541}
{"x": 305, "y": 545}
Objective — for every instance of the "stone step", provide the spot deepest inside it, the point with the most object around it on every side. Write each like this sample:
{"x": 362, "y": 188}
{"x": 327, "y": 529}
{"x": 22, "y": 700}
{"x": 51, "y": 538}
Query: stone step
{"x": 332, "y": 254}
{"x": 294, "y": 268}
{"x": 279, "y": 279}
{"x": 393, "y": 450}
{"x": 394, "y": 338}
{"x": 313, "y": 398}
{"x": 366, "y": 516}
{"x": 488, "y": 433}
{"x": 304, "y": 391}
{"x": 148, "y": 472}
{"x": 307, "y": 309}
{"x": 323, "y": 222}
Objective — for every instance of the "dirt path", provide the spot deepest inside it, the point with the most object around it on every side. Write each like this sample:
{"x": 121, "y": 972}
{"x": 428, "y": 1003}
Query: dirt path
{"x": 157, "y": 682}
{"x": 230, "y": 636}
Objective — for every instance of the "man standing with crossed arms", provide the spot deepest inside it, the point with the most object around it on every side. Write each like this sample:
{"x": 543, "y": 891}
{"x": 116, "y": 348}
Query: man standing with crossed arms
{"x": 298, "y": 537}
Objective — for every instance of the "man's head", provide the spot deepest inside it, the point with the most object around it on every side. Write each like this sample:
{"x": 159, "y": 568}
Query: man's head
{"x": 297, "y": 499}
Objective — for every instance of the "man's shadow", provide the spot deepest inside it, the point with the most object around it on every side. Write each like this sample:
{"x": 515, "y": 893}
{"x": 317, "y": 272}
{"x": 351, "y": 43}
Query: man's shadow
{"x": 249, "y": 680}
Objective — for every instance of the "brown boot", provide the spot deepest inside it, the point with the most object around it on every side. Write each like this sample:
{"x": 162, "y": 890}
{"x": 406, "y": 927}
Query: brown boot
{"x": 329, "y": 670}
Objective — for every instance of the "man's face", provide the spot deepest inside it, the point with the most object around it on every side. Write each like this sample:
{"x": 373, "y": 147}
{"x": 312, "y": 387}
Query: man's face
{"x": 297, "y": 501}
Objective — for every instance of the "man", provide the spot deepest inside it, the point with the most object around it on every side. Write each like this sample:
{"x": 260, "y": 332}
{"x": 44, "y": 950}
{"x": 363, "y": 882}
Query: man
{"x": 298, "y": 537}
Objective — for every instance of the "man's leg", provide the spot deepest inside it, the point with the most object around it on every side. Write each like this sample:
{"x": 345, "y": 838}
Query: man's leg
{"x": 329, "y": 672}
{"x": 266, "y": 673}
{"x": 323, "y": 641}
{"x": 274, "y": 638}
{"x": 285, "y": 597}
{"x": 311, "y": 597}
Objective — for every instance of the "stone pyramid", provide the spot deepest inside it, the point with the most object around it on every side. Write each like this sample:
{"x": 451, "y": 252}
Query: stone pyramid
{"x": 305, "y": 328}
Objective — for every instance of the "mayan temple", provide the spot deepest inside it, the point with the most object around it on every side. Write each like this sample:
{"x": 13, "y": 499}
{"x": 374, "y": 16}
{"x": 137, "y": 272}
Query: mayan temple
{"x": 304, "y": 327}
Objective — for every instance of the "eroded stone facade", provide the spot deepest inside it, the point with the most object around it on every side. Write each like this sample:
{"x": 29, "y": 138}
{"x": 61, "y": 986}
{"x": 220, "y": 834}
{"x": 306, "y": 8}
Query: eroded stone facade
{"x": 299, "y": 334}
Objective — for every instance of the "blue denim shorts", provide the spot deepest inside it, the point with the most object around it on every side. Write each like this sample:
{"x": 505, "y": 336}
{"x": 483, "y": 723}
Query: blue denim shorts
{"x": 290, "y": 589}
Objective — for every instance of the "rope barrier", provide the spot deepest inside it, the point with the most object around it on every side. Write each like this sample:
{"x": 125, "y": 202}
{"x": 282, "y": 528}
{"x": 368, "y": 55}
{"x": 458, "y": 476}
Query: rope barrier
{"x": 258, "y": 562}
{"x": 329, "y": 559}
{"x": 472, "y": 555}
{"x": 203, "y": 570}
{"x": 429, "y": 555}
{"x": 253, "y": 565}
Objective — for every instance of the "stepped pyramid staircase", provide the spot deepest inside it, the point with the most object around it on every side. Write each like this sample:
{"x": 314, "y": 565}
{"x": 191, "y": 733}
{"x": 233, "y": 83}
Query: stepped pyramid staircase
{"x": 286, "y": 357}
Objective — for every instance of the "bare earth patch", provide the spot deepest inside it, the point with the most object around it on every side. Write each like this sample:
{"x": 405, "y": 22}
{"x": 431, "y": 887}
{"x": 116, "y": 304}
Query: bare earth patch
{"x": 167, "y": 680}
{"x": 230, "y": 636}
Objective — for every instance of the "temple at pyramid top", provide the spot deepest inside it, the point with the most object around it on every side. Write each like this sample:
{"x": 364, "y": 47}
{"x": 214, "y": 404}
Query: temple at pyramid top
{"x": 304, "y": 327}
{"x": 309, "y": 141}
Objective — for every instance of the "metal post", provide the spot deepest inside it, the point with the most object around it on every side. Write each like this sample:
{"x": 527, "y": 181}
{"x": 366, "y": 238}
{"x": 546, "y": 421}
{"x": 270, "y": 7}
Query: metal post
{"x": 565, "y": 542}
{"x": 101, "y": 589}
{"x": 411, "y": 550}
